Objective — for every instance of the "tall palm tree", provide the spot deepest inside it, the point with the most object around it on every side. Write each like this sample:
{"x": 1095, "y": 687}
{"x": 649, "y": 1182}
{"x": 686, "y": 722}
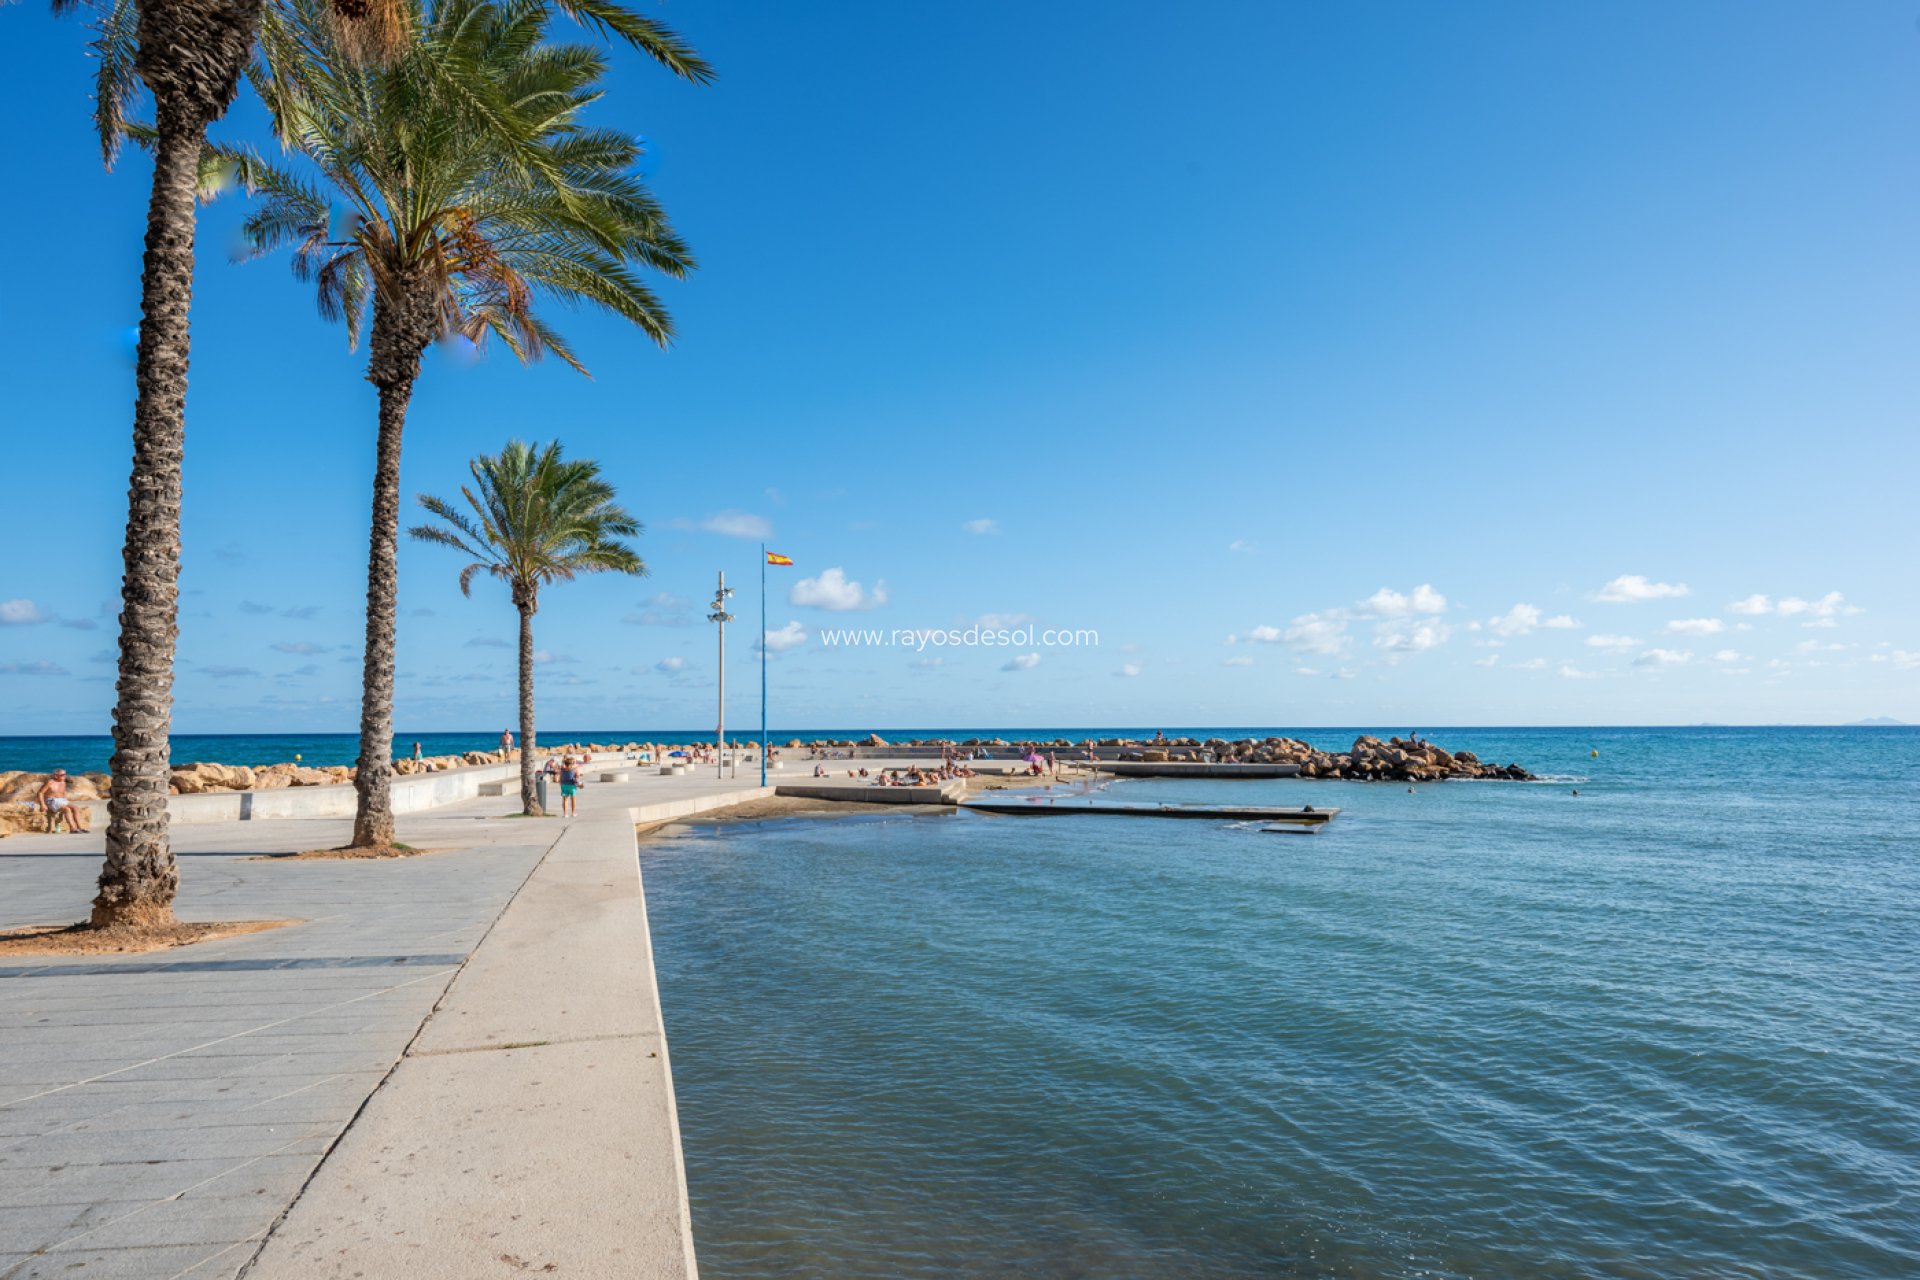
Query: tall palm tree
{"x": 472, "y": 191}
{"x": 537, "y": 518}
{"x": 190, "y": 56}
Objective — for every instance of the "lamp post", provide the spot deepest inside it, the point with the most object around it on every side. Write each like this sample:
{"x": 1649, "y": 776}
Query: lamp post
{"x": 720, "y": 617}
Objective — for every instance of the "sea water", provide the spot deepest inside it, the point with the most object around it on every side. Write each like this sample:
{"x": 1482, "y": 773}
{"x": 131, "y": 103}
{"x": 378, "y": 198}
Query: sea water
{"x": 1667, "y": 1027}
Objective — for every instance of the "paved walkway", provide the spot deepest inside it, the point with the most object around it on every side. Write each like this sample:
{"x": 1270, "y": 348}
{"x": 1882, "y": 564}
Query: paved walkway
{"x": 327, "y": 1082}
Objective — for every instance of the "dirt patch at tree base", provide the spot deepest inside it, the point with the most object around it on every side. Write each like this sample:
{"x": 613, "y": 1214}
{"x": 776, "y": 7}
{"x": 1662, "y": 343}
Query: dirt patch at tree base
{"x": 347, "y": 852}
{"x": 85, "y": 940}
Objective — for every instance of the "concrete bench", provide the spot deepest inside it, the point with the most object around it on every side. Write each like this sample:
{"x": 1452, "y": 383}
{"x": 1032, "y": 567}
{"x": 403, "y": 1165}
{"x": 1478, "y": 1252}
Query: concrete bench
{"x": 669, "y": 770}
{"x": 496, "y": 788}
{"x": 615, "y": 775}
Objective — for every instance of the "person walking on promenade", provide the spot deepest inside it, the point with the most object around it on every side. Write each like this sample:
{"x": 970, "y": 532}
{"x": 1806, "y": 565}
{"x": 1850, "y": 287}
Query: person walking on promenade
{"x": 569, "y": 788}
{"x": 506, "y": 743}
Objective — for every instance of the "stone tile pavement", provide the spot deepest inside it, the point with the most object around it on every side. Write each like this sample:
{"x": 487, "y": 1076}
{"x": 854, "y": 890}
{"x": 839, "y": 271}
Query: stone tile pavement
{"x": 162, "y": 1114}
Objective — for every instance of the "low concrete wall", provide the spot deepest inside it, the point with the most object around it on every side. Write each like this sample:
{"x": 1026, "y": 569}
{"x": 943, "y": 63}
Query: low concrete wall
{"x": 412, "y": 793}
{"x": 643, "y": 815}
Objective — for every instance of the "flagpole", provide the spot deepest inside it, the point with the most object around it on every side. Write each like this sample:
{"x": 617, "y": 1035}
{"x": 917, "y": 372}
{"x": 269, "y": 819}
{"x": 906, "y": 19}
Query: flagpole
{"x": 763, "y": 664}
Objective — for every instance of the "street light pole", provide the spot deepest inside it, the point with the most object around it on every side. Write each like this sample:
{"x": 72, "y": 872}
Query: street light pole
{"x": 721, "y": 618}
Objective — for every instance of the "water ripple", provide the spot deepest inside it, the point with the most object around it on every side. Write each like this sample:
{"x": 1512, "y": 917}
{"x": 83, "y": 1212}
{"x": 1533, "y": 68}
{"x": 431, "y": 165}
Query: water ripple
{"x": 1668, "y": 1028}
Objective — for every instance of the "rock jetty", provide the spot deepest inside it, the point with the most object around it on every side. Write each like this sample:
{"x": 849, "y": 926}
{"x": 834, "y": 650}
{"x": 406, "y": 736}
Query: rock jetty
{"x": 1367, "y": 760}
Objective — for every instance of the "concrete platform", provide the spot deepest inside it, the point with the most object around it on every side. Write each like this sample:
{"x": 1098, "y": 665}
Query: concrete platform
{"x": 1062, "y": 806}
{"x": 453, "y": 1067}
{"x": 867, "y": 793}
{"x": 1196, "y": 769}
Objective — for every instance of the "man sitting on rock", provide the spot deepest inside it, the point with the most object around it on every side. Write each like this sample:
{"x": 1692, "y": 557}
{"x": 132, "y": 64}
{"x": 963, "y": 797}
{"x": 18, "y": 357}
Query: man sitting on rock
{"x": 53, "y": 798}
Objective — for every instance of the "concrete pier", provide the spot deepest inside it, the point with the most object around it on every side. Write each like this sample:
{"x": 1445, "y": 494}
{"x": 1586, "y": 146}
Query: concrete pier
{"x": 453, "y": 1066}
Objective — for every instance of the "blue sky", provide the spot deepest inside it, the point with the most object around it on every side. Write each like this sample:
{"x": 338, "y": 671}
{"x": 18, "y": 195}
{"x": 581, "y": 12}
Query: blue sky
{"x": 1386, "y": 363}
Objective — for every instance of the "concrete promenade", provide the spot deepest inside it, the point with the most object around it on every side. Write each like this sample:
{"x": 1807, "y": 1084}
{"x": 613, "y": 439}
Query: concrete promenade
{"x": 452, "y": 1066}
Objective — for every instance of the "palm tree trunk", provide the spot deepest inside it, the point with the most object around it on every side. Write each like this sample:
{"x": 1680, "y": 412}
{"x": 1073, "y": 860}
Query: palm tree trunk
{"x": 191, "y": 54}
{"x": 403, "y": 324}
{"x": 529, "y": 795}
{"x": 373, "y": 773}
{"x": 139, "y": 878}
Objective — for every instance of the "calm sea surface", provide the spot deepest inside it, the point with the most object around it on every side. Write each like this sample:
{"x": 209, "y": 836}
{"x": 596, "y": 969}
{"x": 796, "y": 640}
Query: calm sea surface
{"x": 1669, "y": 1027}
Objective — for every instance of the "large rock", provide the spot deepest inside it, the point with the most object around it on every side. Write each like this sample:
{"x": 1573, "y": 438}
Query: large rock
{"x": 18, "y": 786}
{"x": 200, "y": 776}
{"x": 19, "y": 819}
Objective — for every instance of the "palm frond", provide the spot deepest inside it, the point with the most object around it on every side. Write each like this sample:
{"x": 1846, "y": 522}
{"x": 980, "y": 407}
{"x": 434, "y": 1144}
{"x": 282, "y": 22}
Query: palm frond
{"x": 535, "y": 517}
{"x": 652, "y": 38}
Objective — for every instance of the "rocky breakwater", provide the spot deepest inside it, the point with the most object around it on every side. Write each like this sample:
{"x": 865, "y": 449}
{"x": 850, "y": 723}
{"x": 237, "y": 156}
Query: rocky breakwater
{"x": 1368, "y": 760}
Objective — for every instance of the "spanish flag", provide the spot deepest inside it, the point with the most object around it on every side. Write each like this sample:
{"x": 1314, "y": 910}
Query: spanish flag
{"x": 778, "y": 559}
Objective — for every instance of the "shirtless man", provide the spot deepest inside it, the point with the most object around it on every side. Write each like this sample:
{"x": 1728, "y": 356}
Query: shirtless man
{"x": 53, "y": 799}
{"x": 506, "y": 742}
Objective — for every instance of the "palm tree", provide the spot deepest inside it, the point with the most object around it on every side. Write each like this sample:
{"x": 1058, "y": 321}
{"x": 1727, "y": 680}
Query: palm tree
{"x": 537, "y": 518}
{"x": 190, "y": 55}
{"x": 472, "y": 192}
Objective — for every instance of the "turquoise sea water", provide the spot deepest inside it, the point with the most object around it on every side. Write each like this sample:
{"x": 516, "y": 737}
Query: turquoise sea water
{"x": 1667, "y": 1028}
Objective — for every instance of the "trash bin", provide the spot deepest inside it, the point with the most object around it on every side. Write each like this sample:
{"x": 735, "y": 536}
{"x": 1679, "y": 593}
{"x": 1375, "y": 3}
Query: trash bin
{"x": 540, "y": 790}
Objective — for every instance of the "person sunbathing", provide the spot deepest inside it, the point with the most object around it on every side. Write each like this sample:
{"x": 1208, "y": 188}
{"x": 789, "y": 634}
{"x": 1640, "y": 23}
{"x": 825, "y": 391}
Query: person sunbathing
{"x": 52, "y": 798}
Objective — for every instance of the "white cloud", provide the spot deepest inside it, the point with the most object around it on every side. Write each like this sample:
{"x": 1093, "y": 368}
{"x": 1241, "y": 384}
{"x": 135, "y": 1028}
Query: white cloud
{"x": 1729, "y": 655}
{"x": 1631, "y": 588}
{"x": 1264, "y": 635}
{"x": 1021, "y": 662}
{"x": 1826, "y": 606}
{"x": 1241, "y": 661}
{"x": 1306, "y": 671}
{"x": 299, "y": 646}
{"x": 1428, "y": 635}
{"x": 791, "y": 636}
{"x": 1002, "y": 621}
{"x": 1388, "y": 603}
{"x": 737, "y": 524}
{"x": 1825, "y": 609}
{"x": 1313, "y": 633}
{"x": 983, "y": 525}
{"x": 545, "y": 657}
{"x": 1516, "y": 621}
{"x": 1491, "y": 660}
{"x": 1562, "y": 622}
{"x": 671, "y": 665}
{"x": 1531, "y": 664}
{"x": 21, "y": 613}
{"x": 1129, "y": 669}
{"x": 32, "y": 669}
{"x": 1664, "y": 658}
{"x": 1239, "y": 544}
{"x": 1696, "y": 626}
{"x": 1814, "y": 646}
{"x": 1570, "y": 672}
{"x": 931, "y": 660}
{"x": 1905, "y": 659}
{"x": 1615, "y": 643}
{"x": 1820, "y": 624}
{"x": 833, "y": 592}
